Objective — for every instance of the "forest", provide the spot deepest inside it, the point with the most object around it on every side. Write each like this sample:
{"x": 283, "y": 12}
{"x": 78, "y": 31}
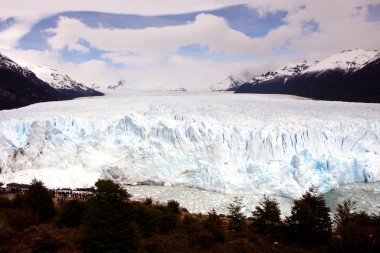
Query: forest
{"x": 105, "y": 219}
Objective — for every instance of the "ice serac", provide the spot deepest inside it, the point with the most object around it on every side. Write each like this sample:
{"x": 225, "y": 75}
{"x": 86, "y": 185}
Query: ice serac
{"x": 225, "y": 143}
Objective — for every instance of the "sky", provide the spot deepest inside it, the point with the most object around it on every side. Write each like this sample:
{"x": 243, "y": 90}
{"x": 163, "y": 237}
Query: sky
{"x": 168, "y": 44}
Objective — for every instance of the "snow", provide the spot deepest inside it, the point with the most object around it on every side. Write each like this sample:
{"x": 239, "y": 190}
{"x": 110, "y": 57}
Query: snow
{"x": 228, "y": 83}
{"x": 289, "y": 70}
{"x": 219, "y": 142}
{"x": 7, "y": 63}
{"x": 54, "y": 78}
{"x": 294, "y": 68}
{"x": 347, "y": 60}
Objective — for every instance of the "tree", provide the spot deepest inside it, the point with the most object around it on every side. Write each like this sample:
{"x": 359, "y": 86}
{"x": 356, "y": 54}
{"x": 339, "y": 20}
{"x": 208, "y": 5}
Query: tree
{"x": 214, "y": 226}
{"x": 237, "y": 218}
{"x": 169, "y": 216}
{"x": 168, "y": 221}
{"x": 39, "y": 200}
{"x": 203, "y": 233}
{"x": 356, "y": 231}
{"x": 309, "y": 220}
{"x": 344, "y": 212}
{"x": 266, "y": 217}
{"x": 108, "y": 222}
{"x": 173, "y": 206}
{"x": 190, "y": 225}
{"x": 147, "y": 219}
{"x": 72, "y": 213}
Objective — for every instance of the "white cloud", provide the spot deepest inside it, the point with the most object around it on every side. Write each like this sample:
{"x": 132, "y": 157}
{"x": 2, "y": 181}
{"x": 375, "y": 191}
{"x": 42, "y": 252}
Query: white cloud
{"x": 207, "y": 30}
{"x": 178, "y": 71}
{"x": 28, "y": 13}
{"x": 10, "y": 36}
{"x": 190, "y": 73}
{"x": 338, "y": 30}
{"x": 342, "y": 24}
{"x": 150, "y": 54}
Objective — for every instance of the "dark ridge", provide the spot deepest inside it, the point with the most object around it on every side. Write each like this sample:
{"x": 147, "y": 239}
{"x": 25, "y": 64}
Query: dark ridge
{"x": 362, "y": 85}
{"x": 20, "y": 87}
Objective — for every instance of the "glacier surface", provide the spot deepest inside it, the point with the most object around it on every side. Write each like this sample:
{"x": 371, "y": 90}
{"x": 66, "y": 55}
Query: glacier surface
{"x": 222, "y": 142}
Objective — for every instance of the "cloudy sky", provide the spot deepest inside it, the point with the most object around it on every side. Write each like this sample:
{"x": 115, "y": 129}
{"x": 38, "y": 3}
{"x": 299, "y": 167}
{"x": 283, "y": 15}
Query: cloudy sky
{"x": 165, "y": 44}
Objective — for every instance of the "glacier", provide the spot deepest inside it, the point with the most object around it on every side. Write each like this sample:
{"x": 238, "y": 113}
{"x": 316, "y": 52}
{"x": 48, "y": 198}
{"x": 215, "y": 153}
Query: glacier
{"x": 221, "y": 142}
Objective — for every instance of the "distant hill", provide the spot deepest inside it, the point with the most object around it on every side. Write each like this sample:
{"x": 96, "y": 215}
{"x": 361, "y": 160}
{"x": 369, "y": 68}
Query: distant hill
{"x": 352, "y": 75}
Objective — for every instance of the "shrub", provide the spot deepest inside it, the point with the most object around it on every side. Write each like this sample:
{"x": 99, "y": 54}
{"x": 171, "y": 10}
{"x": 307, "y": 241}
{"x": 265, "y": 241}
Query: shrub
{"x": 147, "y": 218}
{"x": 20, "y": 218}
{"x": 5, "y": 202}
{"x": 173, "y": 206}
{"x": 356, "y": 231}
{"x": 190, "y": 224}
{"x": 72, "y": 213}
{"x": 44, "y": 242}
{"x": 148, "y": 202}
{"x": 214, "y": 226}
{"x": 241, "y": 246}
{"x": 108, "y": 220}
{"x": 39, "y": 200}
{"x": 168, "y": 222}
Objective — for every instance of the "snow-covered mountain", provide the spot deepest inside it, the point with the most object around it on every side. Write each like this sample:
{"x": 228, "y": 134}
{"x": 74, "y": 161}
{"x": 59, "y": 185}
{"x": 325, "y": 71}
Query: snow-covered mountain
{"x": 228, "y": 84}
{"x": 21, "y": 86}
{"x": 347, "y": 61}
{"x": 285, "y": 72}
{"x": 352, "y": 75}
{"x": 62, "y": 82}
{"x": 214, "y": 141}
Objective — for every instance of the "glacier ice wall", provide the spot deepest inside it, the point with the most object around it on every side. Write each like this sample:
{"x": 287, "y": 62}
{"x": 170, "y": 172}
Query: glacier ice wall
{"x": 175, "y": 147}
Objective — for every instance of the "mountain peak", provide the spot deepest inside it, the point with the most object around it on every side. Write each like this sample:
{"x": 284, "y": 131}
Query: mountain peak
{"x": 285, "y": 72}
{"x": 229, "y": 84}
{"x": 350, "y": 75}
{"x": 347, "y": 60}
{"x": 24, "y": 85}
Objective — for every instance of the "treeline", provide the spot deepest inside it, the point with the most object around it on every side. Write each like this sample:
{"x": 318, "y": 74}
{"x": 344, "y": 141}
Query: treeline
{"x": 108, "y": 221}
